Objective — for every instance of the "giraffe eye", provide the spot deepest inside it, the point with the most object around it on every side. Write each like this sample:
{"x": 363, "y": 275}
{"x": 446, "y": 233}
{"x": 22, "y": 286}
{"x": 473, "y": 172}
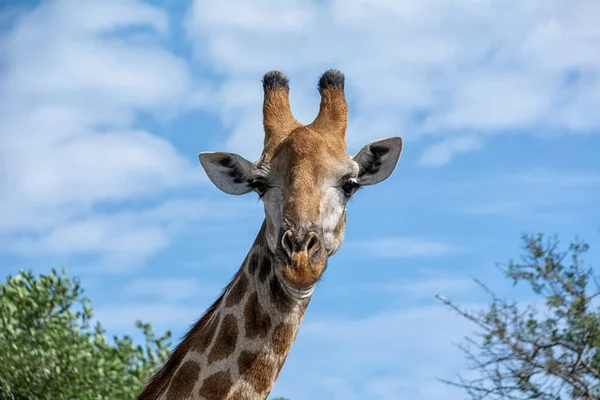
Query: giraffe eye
{"x": 349, "y": 188}
{"x": 259, "y": 187}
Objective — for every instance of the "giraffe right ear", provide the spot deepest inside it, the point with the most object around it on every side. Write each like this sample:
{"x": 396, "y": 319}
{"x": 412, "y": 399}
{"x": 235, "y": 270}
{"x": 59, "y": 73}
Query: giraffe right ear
{"x": 229, "y": 172}
{"x": 377, "y": 160}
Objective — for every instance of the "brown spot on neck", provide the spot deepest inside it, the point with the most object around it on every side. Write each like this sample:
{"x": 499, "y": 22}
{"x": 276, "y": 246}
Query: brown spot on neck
{"x": 279, "y": 297}
{"x": 226, "y": 340}
{"x": 260, "y": 375}
{"x": 283, "y": 337}
{"x": 257, "y": 321}
{"x": 200, "y": 334}
{"x": 239, "y": 396}
{"x": 238, "y": 290}
{"x": 246, "y": 361}
{"x": 184, "y": 381}
{"x": 216, "y": 386}
{"x": 265, "y": 269}
{"x": 253, "y": 264}
{"x": 206, "y": 335}
{"x": 218, "y": 334}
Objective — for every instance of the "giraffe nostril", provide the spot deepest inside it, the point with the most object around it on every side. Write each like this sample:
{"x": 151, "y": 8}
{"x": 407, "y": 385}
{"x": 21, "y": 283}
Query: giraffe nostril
{"x": 307, "y": 244}
{"x": 312, "y": 246}
{"x": 286, "y": 243}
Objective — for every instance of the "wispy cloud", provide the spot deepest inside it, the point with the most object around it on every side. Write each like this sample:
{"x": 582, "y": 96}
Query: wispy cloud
{"x": 72, "y": 90}
{"x": 121, "y": 241}
{"x": 122, "y": 317}
{"x": 456, "y": 73}
{"x": 170, "y": 290}
{"x": 442, "y": 152}
{"x": 166, "y": 303}
{"x": 76, "y": 77}
{"x": 407, "y": 247}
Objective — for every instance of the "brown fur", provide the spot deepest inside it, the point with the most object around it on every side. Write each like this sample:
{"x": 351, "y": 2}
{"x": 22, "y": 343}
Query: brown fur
{"x": 257, "y": 321}
{"x": 207, "y": 335}
{"x": 216, "y": 386}
{"x": 278, "y": 120}
{"x": 246, "y": 360}
{"x": 332, "y": 118}
{"x": 184, "y": 381}
{"x": 265, "y": 269}
{"x": 333, "y": 112}
{"x": 280, "y": 298}
{"x": 283, "y": 337}
{"x": 304, "y": 152}
{"x": 260, "y": 374}
{"x": 237, "y": 291}
{"x": 238, "y": 396}
{"x": 226, "y": 340}
{"x": 253, "y": 264}
{"x": 302, "y": 273}
{"x": 197, "y": 334}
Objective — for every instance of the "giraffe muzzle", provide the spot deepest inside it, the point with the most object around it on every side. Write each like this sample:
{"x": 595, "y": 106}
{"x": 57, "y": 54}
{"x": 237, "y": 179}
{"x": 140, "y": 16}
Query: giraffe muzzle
{"x": 300, "y": 245}
{"x": 302, "y": 260}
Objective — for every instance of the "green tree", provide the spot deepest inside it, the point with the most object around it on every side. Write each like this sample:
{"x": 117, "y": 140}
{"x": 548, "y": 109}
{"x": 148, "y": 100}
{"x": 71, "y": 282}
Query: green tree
{"x": 49, "y": 350}
{"x": 528, "y": 352}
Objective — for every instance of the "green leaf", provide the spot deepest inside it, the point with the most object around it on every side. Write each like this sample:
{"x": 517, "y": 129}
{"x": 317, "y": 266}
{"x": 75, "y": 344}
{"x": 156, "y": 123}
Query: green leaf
{"x": 49, "y": 351}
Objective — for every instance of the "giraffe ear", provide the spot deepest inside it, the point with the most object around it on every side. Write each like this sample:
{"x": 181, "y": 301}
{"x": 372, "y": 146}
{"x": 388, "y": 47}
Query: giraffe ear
{"x": 229, "y": 172}
{"x": 377, "y": 160}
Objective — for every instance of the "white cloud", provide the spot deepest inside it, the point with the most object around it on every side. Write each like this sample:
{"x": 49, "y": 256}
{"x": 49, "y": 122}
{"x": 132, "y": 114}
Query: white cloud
{"x": 122, "y": 240}
{"x": 442, "y": 152}
{"x": 121, "y": 317}
{"x": 70, "y": 96}
{"x": 170, "y": 290}
{"x": 451, "y": 70}
{"x": 76, "y": 76}
{"x": 407, "y": 247}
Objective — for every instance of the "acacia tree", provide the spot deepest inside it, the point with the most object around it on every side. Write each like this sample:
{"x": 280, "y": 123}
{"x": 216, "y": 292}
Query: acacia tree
{"x": 49, "y": 350}
{"x": 528, "y": 352}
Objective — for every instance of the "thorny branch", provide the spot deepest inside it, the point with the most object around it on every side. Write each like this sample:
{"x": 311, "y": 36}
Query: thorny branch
{"x": 525, "y": 354}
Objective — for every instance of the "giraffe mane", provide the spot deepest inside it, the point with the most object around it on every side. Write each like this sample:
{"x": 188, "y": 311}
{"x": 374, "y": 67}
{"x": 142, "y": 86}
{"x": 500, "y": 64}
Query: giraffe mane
{"x": 160, "y": 380}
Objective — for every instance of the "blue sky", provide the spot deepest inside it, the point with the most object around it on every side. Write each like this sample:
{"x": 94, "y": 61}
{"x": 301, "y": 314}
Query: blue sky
{"x": 105, "y": 106}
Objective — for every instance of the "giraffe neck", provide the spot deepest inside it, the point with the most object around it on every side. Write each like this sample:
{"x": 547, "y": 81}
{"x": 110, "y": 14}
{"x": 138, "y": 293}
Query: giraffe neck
{"x": 236, "y": 350}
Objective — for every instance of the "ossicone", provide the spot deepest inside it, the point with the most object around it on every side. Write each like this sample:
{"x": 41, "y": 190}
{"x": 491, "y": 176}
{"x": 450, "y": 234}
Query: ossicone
{"x": 333, "y": 111}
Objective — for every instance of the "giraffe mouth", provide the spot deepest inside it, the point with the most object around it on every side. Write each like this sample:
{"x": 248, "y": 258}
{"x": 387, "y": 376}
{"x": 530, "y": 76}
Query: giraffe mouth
{"x": 298, "y": 287}
{"x": 298, "y": 274}
{"x": 296, "y": 293}
{"x": 299, "y": 293}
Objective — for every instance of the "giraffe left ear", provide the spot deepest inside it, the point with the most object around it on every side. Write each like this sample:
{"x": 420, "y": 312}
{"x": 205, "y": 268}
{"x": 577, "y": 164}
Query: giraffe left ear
{"x": 377, "y": 160}
{"x": 229, "y": 172}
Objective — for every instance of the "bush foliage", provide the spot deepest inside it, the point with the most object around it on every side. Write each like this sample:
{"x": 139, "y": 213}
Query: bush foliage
{"x": 49, "y": 349}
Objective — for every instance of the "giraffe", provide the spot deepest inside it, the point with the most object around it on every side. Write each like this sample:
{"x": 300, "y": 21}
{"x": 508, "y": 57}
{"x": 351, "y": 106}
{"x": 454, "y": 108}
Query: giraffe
{"x": 304, "y": 178}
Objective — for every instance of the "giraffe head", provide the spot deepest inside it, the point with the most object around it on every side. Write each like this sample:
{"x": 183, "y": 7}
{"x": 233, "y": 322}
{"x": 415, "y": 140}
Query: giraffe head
{"x": 304, "y": 177}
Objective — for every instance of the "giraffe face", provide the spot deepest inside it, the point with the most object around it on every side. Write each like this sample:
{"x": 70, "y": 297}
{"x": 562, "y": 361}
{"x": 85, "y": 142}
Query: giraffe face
{"x": 309, "y": 181}
{"x": 305, "y": 188}
{"x": 304, "y": 179}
